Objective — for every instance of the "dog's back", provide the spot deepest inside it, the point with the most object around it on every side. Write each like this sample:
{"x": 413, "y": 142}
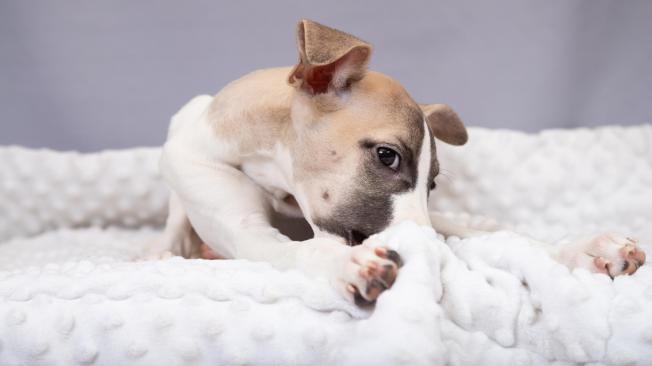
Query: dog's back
{"x": 191, "y": 111}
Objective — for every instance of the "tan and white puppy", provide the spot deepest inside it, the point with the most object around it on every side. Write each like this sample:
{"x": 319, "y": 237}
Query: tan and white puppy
{"x": 328, "y": 140}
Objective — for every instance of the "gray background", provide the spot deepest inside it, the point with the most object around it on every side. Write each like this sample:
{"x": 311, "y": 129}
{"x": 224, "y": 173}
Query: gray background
{"x": 91, "y": 75}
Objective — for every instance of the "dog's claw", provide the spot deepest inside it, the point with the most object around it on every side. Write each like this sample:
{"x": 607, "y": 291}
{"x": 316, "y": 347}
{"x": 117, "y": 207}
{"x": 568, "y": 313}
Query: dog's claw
{"x": 374, "y": 288}
{"x": 390, "y": 254}
{"x": 393, "y": 256}
{"x": 633, "y": 257}
{"x": 359, "y": 300}
{"x": 389, "y": 275}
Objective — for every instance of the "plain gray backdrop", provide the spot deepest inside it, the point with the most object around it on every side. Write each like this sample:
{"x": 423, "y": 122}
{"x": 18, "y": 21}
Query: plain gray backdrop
{"x": 90, "y": 75}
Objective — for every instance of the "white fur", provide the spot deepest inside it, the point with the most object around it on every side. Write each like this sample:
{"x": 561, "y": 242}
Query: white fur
{"x": 229, "y": 209}
{"x": 227, "y": 198}
{"x": 413, "y": 205}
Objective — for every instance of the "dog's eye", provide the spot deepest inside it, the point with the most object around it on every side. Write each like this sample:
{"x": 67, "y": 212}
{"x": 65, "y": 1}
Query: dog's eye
{"x": 389, "y": 157}
{"x": 433, "y": 185}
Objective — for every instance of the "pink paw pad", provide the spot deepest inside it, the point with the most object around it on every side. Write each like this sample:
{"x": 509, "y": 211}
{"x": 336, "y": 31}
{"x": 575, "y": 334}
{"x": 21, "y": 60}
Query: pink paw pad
{"x": 615, "y": 255}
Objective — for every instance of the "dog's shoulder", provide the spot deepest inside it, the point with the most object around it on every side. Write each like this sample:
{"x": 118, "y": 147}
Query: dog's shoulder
{"x": 253, "y": 111}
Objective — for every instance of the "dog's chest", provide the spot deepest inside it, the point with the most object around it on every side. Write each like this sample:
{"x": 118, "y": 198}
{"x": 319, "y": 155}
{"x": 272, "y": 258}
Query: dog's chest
{"x": 273, "y": 173}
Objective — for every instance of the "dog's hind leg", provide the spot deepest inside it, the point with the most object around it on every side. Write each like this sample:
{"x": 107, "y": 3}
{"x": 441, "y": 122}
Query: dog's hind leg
{"x": 462, "y": 226}
{"x": 610, "y": 253}
{"x": 178, "y": 238}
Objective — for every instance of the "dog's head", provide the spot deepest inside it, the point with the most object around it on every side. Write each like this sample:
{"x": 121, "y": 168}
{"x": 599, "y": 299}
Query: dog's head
{"x": 364, "y": 156}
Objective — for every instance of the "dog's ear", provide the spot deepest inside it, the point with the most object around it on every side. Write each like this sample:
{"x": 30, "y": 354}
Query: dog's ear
{"x": 445, "y": 124}
{"x": 328, "y": 58}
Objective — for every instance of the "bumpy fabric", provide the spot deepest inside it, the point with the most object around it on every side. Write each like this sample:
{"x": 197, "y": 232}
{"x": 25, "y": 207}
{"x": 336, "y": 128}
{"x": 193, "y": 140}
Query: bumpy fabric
{"x": 73, "y": 290}
{"x": 42, "y": 190}
{"x": 554, "y": 183}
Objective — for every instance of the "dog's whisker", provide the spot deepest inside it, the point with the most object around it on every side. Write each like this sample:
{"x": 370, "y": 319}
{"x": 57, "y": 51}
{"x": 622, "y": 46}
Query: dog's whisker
{"x": 448, "y": 178}
{"x": 446, "y": 173}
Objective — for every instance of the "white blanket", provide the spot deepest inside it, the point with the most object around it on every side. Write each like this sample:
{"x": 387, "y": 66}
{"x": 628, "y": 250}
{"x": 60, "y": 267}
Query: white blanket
{"x": 74, "y": 295}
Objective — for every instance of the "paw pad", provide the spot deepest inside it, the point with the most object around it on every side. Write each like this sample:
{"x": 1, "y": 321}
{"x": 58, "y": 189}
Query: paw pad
{"x": 377, "y": 276}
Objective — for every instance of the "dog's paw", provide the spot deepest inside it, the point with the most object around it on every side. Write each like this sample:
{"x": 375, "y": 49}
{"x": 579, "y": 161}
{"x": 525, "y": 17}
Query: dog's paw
{"x": 615, "y": 255}
{"x": 369, "y": 272}
{"x": 610, "y": 254}
{"x": 205, "y": 252}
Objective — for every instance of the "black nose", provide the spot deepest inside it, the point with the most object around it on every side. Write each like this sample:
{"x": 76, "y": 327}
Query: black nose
{"x": 356, "y": 237}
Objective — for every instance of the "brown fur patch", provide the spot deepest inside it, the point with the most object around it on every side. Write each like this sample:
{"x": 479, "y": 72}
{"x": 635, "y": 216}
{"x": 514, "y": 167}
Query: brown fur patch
{"x": 321, "y": 45}
{"x": 328, "y": 58}
{"x": 253, "y": 112}
{"x": 445, "y": 124}
{"x": 347, "y": 189}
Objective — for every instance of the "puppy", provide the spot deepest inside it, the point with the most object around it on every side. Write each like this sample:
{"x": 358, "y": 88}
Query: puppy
{"x": 346, "y": 148}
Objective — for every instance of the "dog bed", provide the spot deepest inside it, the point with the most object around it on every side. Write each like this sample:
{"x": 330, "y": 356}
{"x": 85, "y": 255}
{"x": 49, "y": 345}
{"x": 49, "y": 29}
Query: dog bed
{"x": 73, "y": 290}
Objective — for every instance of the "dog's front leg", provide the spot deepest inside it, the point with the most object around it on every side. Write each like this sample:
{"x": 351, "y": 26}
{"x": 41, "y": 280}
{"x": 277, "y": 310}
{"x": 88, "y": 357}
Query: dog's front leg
{"x": 609, "y": 253}
{"x": 360, "y": 273}
{"x": 460, "y": 227}
{"x": 230, "y": 213}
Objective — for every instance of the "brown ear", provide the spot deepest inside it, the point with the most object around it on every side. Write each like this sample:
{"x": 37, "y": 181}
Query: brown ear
{"x": 328, "y": 58}
{"x": 445, "y": 124}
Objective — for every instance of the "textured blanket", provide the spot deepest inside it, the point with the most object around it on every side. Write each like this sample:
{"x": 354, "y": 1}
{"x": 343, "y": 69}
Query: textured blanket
{"x": 72, "y": 290}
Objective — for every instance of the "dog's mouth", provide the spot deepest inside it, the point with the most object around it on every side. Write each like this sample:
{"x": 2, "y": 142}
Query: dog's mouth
{"x": 355, "y": 237}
